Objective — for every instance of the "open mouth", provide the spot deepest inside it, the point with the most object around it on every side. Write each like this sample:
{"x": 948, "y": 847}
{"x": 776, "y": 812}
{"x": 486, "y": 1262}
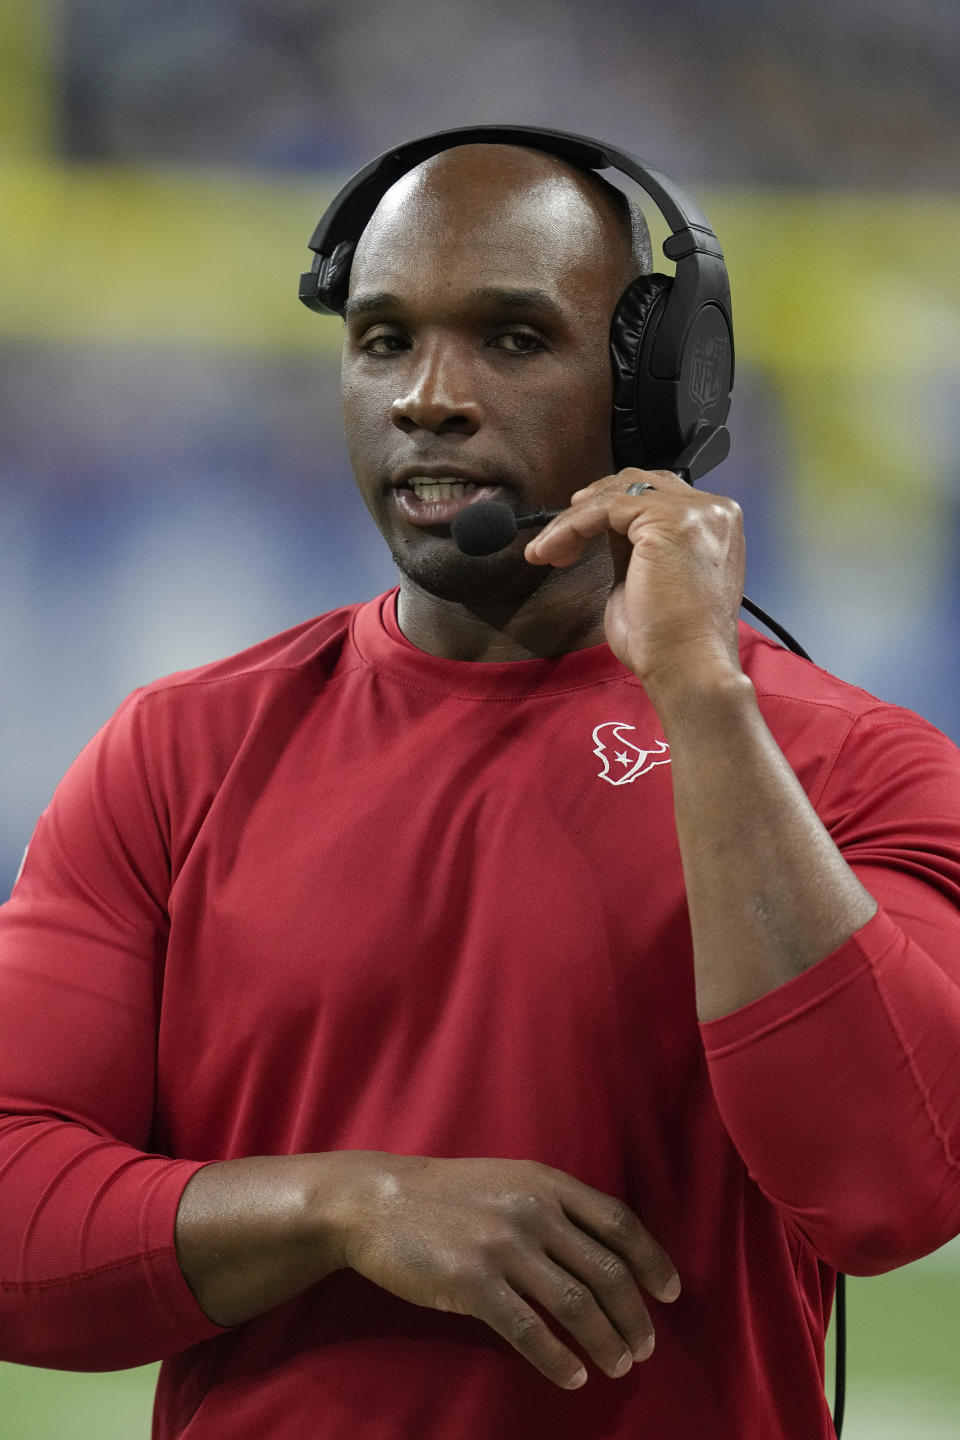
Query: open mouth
{"x": 442, "y": 489}
{"x": 431, "y": 501}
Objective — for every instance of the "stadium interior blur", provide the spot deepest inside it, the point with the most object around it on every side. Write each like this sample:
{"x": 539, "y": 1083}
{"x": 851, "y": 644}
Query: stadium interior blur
{"x": 173, "y": 482}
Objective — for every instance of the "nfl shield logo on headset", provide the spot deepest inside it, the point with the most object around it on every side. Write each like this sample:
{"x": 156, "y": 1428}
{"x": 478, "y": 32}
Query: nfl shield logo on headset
{"x": 708, "y": 370}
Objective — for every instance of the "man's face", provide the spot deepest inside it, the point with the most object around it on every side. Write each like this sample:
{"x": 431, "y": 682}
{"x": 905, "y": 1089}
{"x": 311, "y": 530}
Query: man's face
{"x": 476, "y": 356}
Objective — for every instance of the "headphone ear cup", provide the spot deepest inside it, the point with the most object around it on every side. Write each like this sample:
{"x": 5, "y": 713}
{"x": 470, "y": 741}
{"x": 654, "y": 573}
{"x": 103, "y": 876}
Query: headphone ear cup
{"x": 333, "y": 279}
{"x": 632, "y": 328}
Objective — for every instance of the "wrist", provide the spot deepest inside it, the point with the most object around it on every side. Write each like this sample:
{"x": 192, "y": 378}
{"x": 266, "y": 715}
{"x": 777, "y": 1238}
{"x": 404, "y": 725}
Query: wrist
{"x": 698, "y": 686}
{"x": 252, "y": 1233}
{"x": 323, "y": 1224}
{"x": 345, "y": 1186}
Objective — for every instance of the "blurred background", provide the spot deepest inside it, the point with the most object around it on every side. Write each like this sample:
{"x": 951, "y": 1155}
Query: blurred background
{"x": 173, "y": 482}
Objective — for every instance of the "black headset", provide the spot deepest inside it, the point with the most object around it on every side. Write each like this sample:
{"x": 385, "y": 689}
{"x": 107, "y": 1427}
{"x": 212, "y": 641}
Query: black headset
{"x": 671, "y": 344}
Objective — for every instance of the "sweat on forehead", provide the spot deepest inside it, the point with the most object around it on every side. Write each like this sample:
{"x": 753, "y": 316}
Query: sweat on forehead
{"x": 474, "y": 186}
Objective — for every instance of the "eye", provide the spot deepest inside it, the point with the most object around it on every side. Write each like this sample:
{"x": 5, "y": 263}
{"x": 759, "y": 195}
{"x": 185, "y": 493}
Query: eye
{"x": 519, "y": 342}
{"x": 383, "y": 342}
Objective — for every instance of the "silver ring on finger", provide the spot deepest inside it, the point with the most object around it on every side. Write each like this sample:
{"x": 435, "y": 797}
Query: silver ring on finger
{"x": 638, "y": 487}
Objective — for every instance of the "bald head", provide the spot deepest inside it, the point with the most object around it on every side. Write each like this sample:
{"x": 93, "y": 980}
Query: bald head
{"x": 466, "y": 193}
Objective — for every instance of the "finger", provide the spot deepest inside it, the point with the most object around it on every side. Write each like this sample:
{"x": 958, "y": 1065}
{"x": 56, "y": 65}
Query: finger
{"x": 565, "y": 538}
{"x": 510, "y": 1316}
{"x": 613, "y": 1285}
{"x": 604, "y": 491}
{"x": 596, "y": 487}
{"x": 575, "y": 1306}
{"x": 630, "y": 475}
{"x": 575, "y": 1303}
{"x": 614, "y": 1224}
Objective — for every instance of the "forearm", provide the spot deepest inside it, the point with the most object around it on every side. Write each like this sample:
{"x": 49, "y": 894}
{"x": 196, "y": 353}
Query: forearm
{"x": 88, "y": 1275}
{"x": 853, "y": 1062}
{"x": 857, "y": 1067}
{"x": 111, "y": 1258}
{"x": 253, "y": 1233}
{"x": 769, "y": 893}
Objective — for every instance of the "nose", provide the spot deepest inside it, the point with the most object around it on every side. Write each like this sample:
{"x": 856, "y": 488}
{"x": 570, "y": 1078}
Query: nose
{"x": 439, "y": 395}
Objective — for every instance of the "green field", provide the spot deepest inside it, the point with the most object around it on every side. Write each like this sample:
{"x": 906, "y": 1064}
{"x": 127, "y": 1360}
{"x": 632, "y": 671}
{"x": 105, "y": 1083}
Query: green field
{"x": 903, "y": 1372}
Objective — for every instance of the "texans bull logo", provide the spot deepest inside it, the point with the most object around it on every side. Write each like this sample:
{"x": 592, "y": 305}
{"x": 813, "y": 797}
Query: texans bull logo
{"x": 628, "y": 761}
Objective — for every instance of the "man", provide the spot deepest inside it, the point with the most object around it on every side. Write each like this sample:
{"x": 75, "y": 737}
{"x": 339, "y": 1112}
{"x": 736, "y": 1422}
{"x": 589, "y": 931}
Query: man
{"x": 352, "y": 985}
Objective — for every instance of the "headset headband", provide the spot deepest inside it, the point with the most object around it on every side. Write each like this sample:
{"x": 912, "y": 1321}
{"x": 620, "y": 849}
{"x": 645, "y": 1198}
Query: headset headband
{"x": 354, "y": 204}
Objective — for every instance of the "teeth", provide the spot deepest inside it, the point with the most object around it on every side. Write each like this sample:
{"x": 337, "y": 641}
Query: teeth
{"x": 441, "y": 489}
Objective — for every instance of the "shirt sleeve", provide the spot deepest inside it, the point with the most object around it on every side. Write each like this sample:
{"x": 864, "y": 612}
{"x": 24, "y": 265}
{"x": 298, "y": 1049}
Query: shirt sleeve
{"x": 89, "y": 1278}
{"x": 840, "y": 1088}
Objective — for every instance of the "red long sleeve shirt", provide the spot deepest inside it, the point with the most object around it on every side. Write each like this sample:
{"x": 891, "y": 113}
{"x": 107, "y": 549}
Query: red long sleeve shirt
{"x": 335, "y": 893}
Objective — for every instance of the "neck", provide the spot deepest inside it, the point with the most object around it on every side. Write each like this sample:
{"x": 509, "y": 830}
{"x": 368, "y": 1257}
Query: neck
{"x": 564, "y": 613}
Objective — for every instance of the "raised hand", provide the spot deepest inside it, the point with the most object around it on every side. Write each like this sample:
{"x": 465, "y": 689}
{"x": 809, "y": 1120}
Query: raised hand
{"x": 679, "y": 562}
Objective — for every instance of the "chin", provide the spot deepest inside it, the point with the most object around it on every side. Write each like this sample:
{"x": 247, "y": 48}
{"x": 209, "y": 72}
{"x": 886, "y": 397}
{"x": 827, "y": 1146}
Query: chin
{"x": 442, "y": 570}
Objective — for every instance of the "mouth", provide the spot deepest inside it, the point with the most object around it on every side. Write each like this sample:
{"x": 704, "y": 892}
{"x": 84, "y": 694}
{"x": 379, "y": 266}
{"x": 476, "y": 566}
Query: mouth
{"x": 437, "y": 499}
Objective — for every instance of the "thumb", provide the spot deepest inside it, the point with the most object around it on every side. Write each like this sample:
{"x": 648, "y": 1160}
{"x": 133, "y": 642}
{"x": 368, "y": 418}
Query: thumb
{"x": 621, "y": 553}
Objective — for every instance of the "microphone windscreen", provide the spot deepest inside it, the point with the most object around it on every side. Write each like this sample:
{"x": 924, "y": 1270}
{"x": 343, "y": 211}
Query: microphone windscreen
{"x": 485, "y": 527}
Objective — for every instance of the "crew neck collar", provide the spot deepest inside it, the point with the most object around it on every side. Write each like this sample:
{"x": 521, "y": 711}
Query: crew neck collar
{"x": 381, "y": 644}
